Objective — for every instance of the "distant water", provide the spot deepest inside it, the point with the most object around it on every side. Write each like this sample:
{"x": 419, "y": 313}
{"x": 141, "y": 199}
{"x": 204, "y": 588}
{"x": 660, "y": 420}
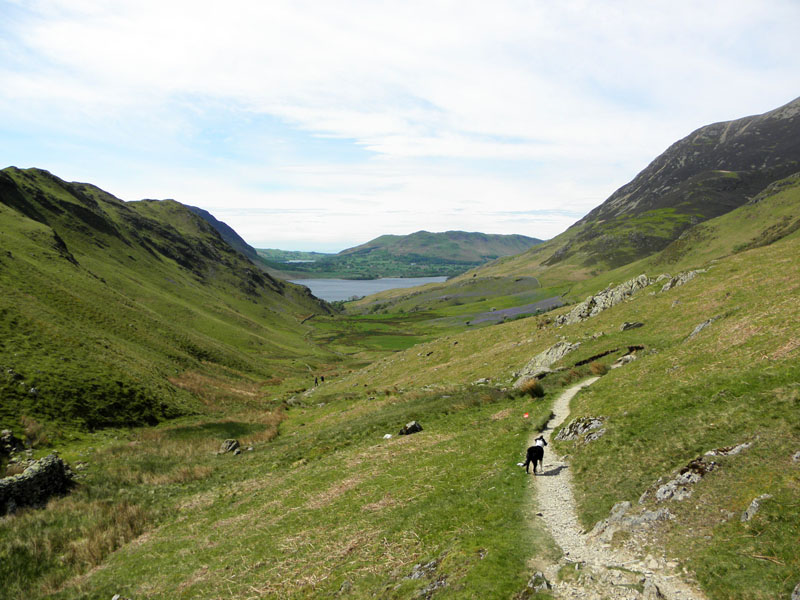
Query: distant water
{"x": 344, "y": 289}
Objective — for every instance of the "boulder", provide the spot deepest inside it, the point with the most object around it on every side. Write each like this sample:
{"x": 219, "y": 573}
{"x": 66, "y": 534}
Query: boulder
{"x": 609, "y": 297}
{"x": 229, "y": 446}
{"x": 540, "y": 364}
{"x": 35, "y": 485}
{"x": 539, "y": 583}
{"x": 796, "y": 592}
{"x": 754, "y": 507}
{"x": 411, "y": 427}
{"x": 630, "y": 325}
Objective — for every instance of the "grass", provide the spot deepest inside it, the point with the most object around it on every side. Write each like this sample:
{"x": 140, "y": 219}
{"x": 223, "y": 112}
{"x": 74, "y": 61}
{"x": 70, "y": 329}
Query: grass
{"x": 328, "y": 501}
{"x": 324, "y": 503}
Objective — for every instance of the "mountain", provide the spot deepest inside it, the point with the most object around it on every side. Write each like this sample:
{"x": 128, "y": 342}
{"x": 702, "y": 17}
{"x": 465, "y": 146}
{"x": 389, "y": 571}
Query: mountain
{"x": 418, "y": 254}
{"x": 227, "y": 233}
{"x": 709, "y": 173}
{"x": 106, "y": 305}
{"x": 706, "y": 174}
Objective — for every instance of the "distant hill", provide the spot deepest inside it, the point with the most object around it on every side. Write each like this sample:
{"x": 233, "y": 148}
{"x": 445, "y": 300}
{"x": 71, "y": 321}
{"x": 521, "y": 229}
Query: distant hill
{"x": 419, "y": 254}
{"x": 105, "y": 305}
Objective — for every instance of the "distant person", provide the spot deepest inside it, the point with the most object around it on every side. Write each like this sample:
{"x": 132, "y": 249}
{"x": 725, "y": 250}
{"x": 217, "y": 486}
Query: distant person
{"x": 322, "y": 378}
{"x": 535, "y": 454}
{"x": 316, "y": 381}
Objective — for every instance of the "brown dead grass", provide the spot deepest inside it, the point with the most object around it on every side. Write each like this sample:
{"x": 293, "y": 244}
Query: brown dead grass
{"x": 217, "y": 392}
{"x": 326, "y": 497}
{"x": 386, "y": 502}
{"x": 502, "y": 414}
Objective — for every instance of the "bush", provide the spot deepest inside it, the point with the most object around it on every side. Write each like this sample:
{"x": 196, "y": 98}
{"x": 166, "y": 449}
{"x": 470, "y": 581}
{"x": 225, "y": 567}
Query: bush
{"x": 532, "y": 387}
{"x": 598, "y": 368}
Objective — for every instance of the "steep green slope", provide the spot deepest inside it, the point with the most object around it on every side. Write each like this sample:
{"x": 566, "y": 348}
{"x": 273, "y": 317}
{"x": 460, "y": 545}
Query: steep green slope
{"x": 419, "y": 254}
{"x": 104, "y": 302}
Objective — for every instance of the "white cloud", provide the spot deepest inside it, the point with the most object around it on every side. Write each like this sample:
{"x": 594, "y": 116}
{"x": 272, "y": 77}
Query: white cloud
{"x": 453, "y": 113}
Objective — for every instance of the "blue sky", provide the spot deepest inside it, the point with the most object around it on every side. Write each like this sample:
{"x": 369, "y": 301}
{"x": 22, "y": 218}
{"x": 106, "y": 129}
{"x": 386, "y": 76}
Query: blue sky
{"x": 320, "y": 125}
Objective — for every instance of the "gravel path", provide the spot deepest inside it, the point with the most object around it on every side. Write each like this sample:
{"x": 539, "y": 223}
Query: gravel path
{"x": 602, "y": 572}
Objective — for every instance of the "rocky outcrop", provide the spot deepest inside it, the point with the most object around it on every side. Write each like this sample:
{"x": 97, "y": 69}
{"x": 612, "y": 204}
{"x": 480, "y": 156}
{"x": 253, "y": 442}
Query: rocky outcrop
{"x": 35, "y": 485}
{"x": 680, "y": 279}
{"x": 630, "y": 325}
{"x": 680, "y": 487}
{"x": 754, "y": 507}
{"x": 621, "y": 519}
{"x": 586, "y": 428}
{"x": 701, "y": 326}
{"x": 540, "y": 364}
{"x": 609, "y": 297}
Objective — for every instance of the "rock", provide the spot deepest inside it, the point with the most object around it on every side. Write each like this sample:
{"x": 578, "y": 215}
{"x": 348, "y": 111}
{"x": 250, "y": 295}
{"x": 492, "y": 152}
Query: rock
{"x": 581, "y": 427}
{"x": 419, "y": 570}
{"x": 651, "y": 591}
{"x": 700, "y": 327}
{"x": 118, "y": 597}
{"x": 387, "y": 436}
{"x": 754, "y": 507}
{"x": 609, "y": 297}
{"x": 680, "y": 279}
{"x": 229, "y": 446}
{"x": 539, "y": 583}
{"x": 540, "y": 364}
{"x": 481, "y": 381}
{"x": 729, "y": 450}
{"x": 679, "y": 488}
{"x": 237, "y": 451}
{"x": 9, "y": 443}
{"x": 796, "y": 457}
{"x": 411, "y": 427}
{"x": 796, "y": 592}
{"x": 35, "y": 485}
{"x": 624, "y": 360}
{"x": 621, "y": 519}
{"x": 630, "y": 325}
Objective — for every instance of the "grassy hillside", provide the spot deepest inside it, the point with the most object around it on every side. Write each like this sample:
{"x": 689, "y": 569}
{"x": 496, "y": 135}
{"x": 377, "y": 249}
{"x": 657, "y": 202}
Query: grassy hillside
{"x": 325, "y": 505}
{"x": 106, "y": 306}
{"x": 420, "y": 254}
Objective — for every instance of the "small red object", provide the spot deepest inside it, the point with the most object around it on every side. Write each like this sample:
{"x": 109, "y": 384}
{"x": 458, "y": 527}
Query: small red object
{"x": 525, "y": 416}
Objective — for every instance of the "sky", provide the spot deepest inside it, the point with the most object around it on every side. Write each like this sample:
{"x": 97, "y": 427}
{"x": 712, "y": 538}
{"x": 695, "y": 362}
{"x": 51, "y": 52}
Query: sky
{"x": 321, "y": 125}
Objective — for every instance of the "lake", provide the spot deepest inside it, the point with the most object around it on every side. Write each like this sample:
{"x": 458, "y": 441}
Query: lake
{"x": 344, "y": 289}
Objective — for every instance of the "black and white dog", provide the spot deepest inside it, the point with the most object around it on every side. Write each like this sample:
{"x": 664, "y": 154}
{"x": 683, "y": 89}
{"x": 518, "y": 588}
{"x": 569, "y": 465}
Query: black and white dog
{"x": 535, "y": 454}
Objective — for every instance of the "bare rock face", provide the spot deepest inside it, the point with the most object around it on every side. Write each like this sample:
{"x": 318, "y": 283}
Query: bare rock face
{"x": 35, "y": 485}
{"x": 540, "y": 364}
{"x": 609, "y": 297}
{"x": 622, "y": 519}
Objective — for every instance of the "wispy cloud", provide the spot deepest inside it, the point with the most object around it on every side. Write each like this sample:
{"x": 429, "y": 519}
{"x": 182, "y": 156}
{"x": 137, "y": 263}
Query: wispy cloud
{"x": 459, "y": 115}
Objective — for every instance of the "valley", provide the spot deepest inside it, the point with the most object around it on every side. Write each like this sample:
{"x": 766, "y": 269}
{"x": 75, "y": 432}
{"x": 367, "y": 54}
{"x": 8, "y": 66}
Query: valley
{"x": 136, "y": 340}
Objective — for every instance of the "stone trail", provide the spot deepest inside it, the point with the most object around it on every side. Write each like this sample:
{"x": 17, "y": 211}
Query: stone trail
{"x": 601, "y": 572}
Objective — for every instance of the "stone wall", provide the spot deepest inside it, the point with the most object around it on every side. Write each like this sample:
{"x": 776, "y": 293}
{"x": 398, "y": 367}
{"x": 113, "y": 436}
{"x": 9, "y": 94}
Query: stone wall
{"x": 36, "y": 485}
